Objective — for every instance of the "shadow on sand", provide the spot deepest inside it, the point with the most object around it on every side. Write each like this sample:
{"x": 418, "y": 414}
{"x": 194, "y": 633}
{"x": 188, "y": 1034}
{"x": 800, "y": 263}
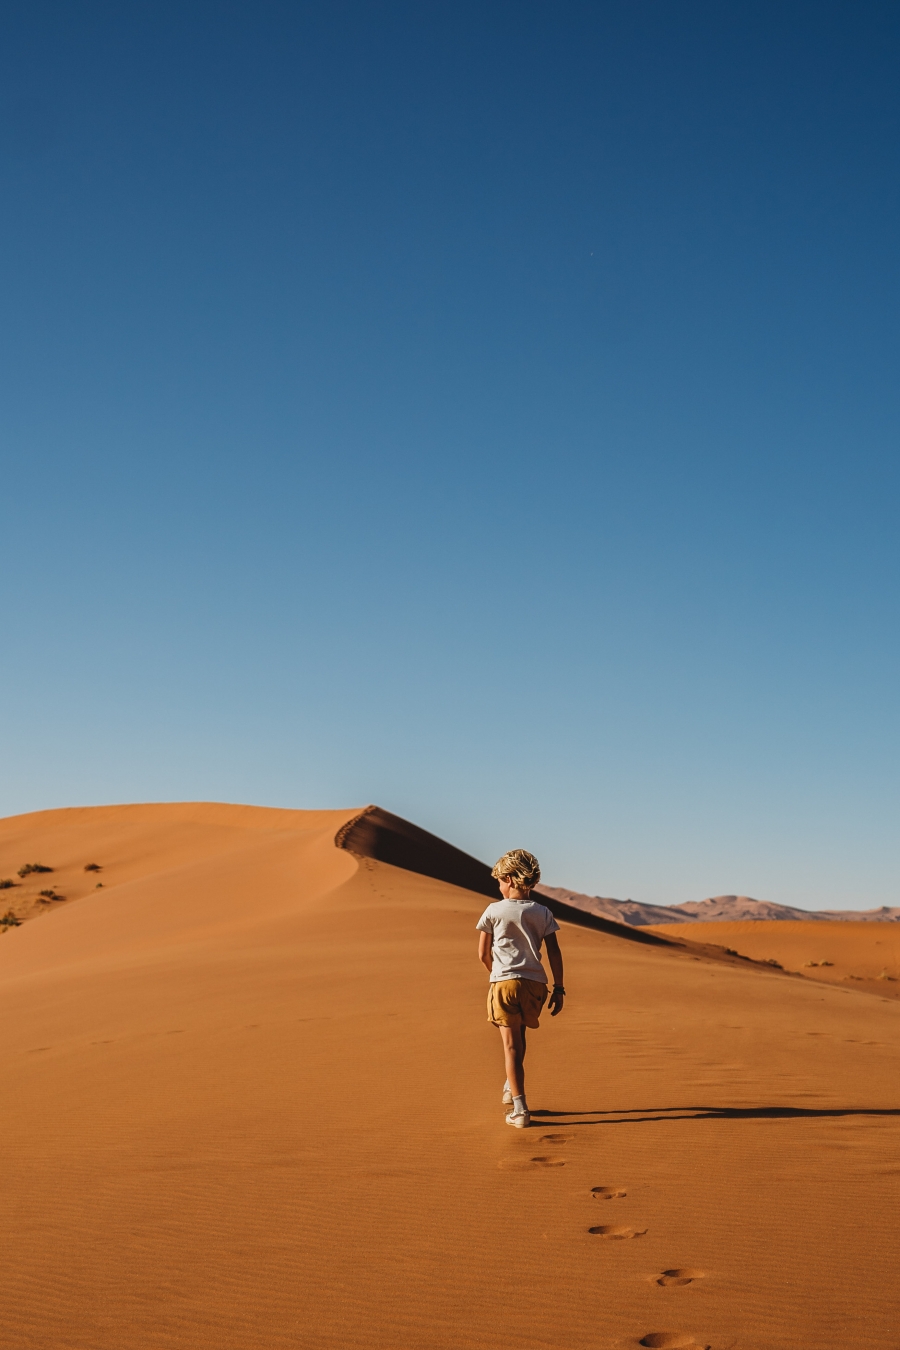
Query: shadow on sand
{"x": 640, "y": 1115}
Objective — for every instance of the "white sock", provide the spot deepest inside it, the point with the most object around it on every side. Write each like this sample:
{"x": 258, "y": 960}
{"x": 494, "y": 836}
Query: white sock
{"x": 519, "y": 1107}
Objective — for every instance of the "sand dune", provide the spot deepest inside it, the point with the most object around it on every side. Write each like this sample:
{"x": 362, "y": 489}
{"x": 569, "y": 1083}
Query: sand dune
{"x": 728, "y": 908}
{"x": 252, "y": 1101}
{"x": 735, "y": 908}
{"x": 864, "y": 955}
{"x": 632, "y": 912}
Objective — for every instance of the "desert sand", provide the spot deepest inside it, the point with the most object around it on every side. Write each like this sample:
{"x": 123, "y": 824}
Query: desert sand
{"x": 252, "y": 1100}
{"x": 863, "y": 954}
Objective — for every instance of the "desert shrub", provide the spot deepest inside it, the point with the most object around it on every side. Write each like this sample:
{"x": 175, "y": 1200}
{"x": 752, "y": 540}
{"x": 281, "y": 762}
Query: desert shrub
{"x": 33, "y": 867}
{"x": 10, "y": 920}
{"x": 93, "y": 867}
{"x": 50, "y": 894}
{"x": 6, "y": 883}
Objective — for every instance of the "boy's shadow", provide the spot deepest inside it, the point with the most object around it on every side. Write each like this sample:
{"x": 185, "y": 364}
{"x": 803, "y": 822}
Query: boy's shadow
{"x": 641, "y": 1115}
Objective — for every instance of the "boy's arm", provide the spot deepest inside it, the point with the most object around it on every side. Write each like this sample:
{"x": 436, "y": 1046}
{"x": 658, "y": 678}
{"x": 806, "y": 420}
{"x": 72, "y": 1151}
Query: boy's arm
{"x": 486, "y": 950}
{"x": 554, "y": 956}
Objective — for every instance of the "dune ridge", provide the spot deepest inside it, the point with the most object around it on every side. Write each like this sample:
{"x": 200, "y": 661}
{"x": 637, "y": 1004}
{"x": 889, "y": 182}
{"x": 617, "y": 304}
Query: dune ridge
{"x": 376, "y": 833}
{"x": 728, "y": 908}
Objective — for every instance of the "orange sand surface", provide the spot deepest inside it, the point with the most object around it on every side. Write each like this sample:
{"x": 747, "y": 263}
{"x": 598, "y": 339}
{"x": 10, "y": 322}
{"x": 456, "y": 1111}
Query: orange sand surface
{"x": 251, "y": 1100}
{"x": 865, "y": 955}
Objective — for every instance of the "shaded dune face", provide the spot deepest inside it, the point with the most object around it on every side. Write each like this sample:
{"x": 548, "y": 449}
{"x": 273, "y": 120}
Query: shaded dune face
{"x": 251, "y": 1099}
{"x": 376, "y": 833}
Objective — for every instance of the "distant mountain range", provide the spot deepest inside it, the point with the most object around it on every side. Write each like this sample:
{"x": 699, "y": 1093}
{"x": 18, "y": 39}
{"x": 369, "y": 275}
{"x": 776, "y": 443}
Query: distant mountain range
{"x": 724, "y": 907}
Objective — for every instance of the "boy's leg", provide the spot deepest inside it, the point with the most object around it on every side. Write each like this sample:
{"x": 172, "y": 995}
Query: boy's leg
{"x": 507, "y": 1086}
{"x": 514, "y": 1054}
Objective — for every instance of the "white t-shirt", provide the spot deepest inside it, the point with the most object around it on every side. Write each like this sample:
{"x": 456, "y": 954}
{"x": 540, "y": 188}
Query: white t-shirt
{"x": 518, "y": 927}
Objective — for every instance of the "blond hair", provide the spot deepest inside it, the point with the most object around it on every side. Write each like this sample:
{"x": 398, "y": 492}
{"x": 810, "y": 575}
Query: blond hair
{"x": 519, "y": 867}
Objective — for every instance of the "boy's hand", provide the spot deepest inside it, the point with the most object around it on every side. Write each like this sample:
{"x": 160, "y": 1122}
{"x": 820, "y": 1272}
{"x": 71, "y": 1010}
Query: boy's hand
{"x": 554, "y": 956}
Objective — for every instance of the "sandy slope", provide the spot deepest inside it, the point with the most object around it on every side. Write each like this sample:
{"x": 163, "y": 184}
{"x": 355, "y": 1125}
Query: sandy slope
{"x": 866, "y": 955}
{"x": 252, "y": 1101}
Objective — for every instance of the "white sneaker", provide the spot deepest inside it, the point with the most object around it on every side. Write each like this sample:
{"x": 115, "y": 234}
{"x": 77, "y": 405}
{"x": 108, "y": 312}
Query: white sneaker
{"x": 520, "y": 1121}
{"x": 507, "y": 1099}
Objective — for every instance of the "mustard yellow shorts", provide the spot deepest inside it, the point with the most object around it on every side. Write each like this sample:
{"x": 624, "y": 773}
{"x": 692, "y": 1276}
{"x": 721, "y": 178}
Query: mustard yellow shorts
{"x": 512, "y": 1003}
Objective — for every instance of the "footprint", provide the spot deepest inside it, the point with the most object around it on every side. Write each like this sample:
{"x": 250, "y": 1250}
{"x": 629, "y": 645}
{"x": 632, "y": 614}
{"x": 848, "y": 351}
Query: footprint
{"x": 554, "y": 1139}
{"x": 529, "y": 1164}
{"x": 611, "y": 1230}
{"x": 607, "y": 1193}
{"x": 680, "y": 1275}
{"x": 671, "y": 1340}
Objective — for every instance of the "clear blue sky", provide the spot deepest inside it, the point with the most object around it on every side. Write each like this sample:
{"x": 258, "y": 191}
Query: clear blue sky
{"x": 488, "y": 410}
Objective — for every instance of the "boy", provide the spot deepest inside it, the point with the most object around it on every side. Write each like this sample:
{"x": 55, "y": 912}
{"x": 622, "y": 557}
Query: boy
{"x": 511, "y": 931}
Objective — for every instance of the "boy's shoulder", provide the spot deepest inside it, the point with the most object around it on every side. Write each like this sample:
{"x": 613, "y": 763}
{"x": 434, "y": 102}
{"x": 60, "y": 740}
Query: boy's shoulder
{"x": 497, "y": 908}
{"x": 492, "y": 910}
